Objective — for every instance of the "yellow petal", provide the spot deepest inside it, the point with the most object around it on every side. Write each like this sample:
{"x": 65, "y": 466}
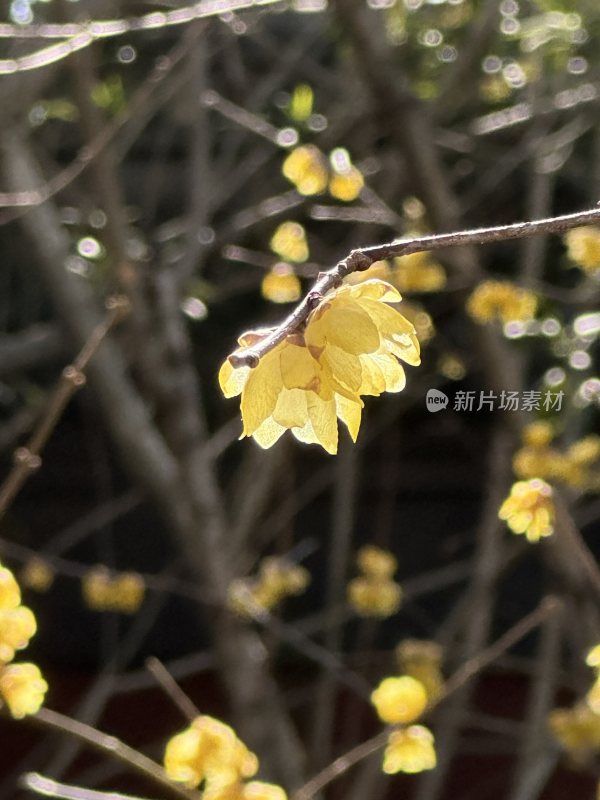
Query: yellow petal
{"x": 376, "y": 289}
{"x": 345, "y": 324}
{"x": 393, "y": 372}
{"x": 344, "y": 366}
{"x": 291, "y": 410}
{"x": 268, "y": 433}
{"x": 232, "y": 379}
{"x": 350, "y": 414}
{"x": 299, "y": 370}
{"x": 261, "y": 391}
{"x": 322, "y": 415}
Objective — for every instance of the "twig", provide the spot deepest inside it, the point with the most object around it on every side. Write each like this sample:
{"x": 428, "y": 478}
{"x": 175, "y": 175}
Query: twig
{"x": 171, "y": 688}
{"x": 362, "y": 258}
{"x": 27, "y": 459}
{"x": 48, "y": 787}
{"x": 462, "y": 675}
{"x": 112, "y": 747}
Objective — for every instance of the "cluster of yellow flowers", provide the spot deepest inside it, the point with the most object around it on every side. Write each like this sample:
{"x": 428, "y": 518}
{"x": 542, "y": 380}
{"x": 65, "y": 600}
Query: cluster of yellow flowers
{"x": 22, "y": 686}
{"x": 374, "y": 593}
{"x": 312, "y": 172}
{"x": 583, "y": 247}
{"x": 281, "y": 284}
{"x": 208, "y": 752}
{"x": 103, "y": 591}
{"x": 277, "y": 579}
{"x": 349, "y": 347}
{"x": 37, "y": 574}
{"x": 416, "y": 272}
{"x": 422, "y": 660}
{"x": 529, "y": 509}
{"x": 501, "y": 300}
{"x": 574, "y": 466}
{"x": 578, "y": 728}
{"x": 401, "y": 701}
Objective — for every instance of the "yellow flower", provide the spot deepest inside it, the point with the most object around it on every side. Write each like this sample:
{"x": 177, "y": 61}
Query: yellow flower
{"x": 123, "y": 592}
{"x": 577, "y": 729}
{"x": 538, "y": 434}
{"x": 256, "y": 790}
{"x": 37, "y": 574}
{"x": 346, "y": 180}
{"x": 542, "y": 462}
{"x": 289, "y": 242}
{"x": 529, "y": 509}
{"x": 376, "y": 562}
{"x": 372, "y": 597}
{"x": 22, "y": 688}
{"x": 281, "y": 285}
{"x": 593, "y": 696}
{"x": 399, "y": 700}
{"x": 208, "y": 750}
{"x": 301, "y": 102}
{"x": 585, "y": 451}
{"x": 583, "y": 247}
{"x": 17, "y": 626}
{"x": 10, "y": 594}
{"x": 278, "y": 578}
{"x": 419, "y": 272}
{"x": 422, "y": 660}
{"x": 501, "y": 300}
{"x": 409, "y": 750}
{"x": 350, "y": 347}
{"x": 593, "y": 657}
{"x": 306, "y": 167}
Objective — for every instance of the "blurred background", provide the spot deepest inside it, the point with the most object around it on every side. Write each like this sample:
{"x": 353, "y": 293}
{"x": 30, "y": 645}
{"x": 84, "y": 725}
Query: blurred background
{"x": 206, "y": 163}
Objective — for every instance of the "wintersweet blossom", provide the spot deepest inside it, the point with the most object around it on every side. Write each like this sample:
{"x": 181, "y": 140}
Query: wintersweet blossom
{"x": 399, "y": 700}
{"x": 123, "y": 592}
{"x": 409, "y": 750}
{"x": 208, "y": 750}
{"x": 22, "y": 688}
{"x": 583, "y": 247}
{"x": 501, "y": 300}
{"x": 281, "y": 284}
{"x": 529, "y": 509}
{"x": 306, "y": 167}
{"x": 350, "y": 346}
{"x": 422, "y": 660}
{"x": 375, "y": 561}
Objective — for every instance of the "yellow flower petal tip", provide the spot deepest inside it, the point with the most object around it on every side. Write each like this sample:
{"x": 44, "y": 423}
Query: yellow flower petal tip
{"x": 410, "y": 750}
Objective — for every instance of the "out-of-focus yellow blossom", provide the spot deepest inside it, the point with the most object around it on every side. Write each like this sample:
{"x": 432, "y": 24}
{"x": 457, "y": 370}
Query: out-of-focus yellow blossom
{"x": 372, "y": 597}
{"x": 253, "y": 790}
{"x": 585, "y": 451}
{"x": 10, "y": 594}
{"x": 306, "y": 167}
{"x": 501, "y": 300}
{"x": 346, "y": 180}
{"x": 277, "y": 579}
{"x": 409, "y": 750}
{"x": 583, "y": 247}
{"x": 281, "y": 284}
{"x": 17, "y": 626}
{"x": 301, "y": 102}
{"x": 22, "y": 688}
{"x": 422, "y": 660}
{"x": 451, "y": 367}
{"x": 208, "y": 750}
{"x": 538, "y": 434}
{"x": 529, "y": 509}
{"x": 422, "y": 321}
{"x": 577, "y": 729}
{"x": 37, "y": 574}
{"x": 399, "y": 700}
{"x": 533, "y": 461}
{"x": 123, "y": 592}
{"x": 593, "y": 657}
{"x": 418, "y": 272}
{"x": 289, "y": 242}
{"x": 375, "y": 562}
{"x": 374, "y": 593}
{"x": 593, "y": 696}
{"x": 351, "y": 346}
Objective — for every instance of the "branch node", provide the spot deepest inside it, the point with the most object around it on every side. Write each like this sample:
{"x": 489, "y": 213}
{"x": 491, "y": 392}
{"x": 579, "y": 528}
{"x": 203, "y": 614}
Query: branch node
{"x": 25, "y": 458}
{"x": 74, "y": 376}
{"x": 248, "y": 358}
{"x": 313, "y": 299}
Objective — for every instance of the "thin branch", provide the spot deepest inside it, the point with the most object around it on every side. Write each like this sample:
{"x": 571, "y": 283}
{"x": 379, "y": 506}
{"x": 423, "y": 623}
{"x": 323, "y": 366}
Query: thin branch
{"x": 171, "y": 688}
{"x": 362, "y": 258}
{"x": 113, "y": 748}
{"x": 48, "y": 787}
{"x": 27, "y": 459}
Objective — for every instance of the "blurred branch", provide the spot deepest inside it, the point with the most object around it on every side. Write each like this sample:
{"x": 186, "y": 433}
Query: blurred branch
{"x": 29, "y": 348}
{"x": 48, "y": 787}
{"x": 28, "y": 458}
